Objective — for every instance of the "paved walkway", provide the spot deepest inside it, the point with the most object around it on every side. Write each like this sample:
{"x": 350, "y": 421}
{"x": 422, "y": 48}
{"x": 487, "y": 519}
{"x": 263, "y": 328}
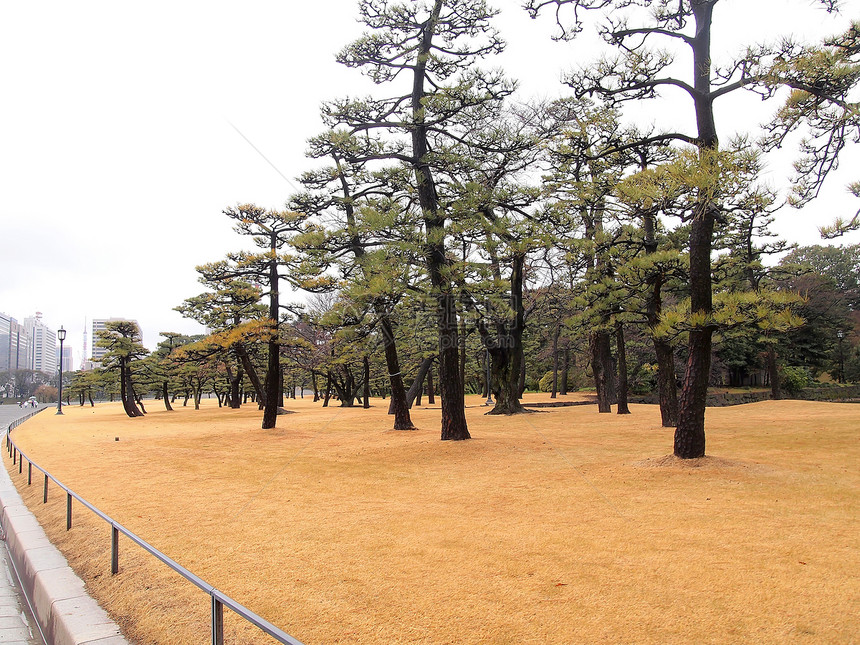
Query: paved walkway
{"x": 17, "y": 626}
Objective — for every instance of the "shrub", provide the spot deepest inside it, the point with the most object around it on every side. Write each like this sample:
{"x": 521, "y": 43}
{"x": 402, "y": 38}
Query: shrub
{"x": 794, "y": 379}
{"x": 545, "y": 383}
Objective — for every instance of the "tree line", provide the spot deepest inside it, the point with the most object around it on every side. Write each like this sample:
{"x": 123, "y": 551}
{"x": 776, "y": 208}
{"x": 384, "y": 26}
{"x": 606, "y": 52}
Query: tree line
{"x": 446, "y": 228}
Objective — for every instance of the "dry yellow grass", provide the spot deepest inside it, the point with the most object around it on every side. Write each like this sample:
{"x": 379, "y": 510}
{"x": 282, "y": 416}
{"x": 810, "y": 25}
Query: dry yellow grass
{"x": 560, "y": 527}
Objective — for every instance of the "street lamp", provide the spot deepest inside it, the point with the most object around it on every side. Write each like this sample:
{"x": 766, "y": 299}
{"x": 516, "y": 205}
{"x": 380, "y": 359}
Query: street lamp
{"x": 840, "y": 334}
{"x": 61, "y": 334}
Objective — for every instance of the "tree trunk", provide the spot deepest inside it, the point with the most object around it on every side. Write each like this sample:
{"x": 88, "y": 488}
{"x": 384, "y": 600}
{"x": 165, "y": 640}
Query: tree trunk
{"x": 773, "y": 374}
{"x": 622, "y": 369}
{"x": 251, "y": 371}
{"x": 690, "y": 431}
{"x": 327, "y": 390}
{"x": 415, "y": 389}
{"x": 273, "y": 364}
{"x": 666, "y": 387}
{"x": 431, "y": 397}
{"x": 485, "y": 377}
{"x": 166, "y": 397}
{"x": 599, "y": 344}
{"x": 522, "y": 384}
{"x": 454, "y": 426}
{"x": 314, "y": 385}
{"x": 565, "y": 366}
{"x": 555, "y": 361}
{"x": 505, "y": 370}
{"x": 126, "y": 392}
{"x": 130, "y": 395}
{"x": 236, "y": 382}
{"x": 507, "y": 356}
{"x": 366, "y": 382}
{"x": 281, "y": 388}
{"x": 399, "y": 405}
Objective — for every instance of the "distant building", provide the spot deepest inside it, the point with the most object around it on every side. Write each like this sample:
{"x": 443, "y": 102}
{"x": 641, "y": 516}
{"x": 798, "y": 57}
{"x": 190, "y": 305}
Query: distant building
{"x": 99, "y": 324}
{"x": 43, "y": 344}
{"x": 68, "y": 358}
{"x": 14, "y": 345}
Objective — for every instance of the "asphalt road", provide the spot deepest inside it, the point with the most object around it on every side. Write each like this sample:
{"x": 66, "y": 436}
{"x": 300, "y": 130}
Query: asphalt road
{"x": 10, "y": 412}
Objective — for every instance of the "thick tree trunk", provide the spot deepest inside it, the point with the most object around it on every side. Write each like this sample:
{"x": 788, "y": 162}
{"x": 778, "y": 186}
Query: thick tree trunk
{"x": 565, "y": 366}
{"x": 505, "y": 369}
{"x": 126, "y": 392}
{"x": 622, "y": 369}
{"x": 454, "y": 426}
{"x": 399, "y": 405}
{"x": 131, "y": 396}
{"x": 667, "y": 388}
{"x": 599, "y": 345}
{"x": 690, "y": 431}
{"x": 507, "y": 355}
{"x": 166, "y": 397}
{"x": 235, "y": 379}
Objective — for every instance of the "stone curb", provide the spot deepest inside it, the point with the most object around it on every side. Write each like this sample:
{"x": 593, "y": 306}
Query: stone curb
{"x": 66, "y": 613}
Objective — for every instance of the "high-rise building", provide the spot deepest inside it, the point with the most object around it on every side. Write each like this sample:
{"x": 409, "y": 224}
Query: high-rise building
{"x": 5, "y": 341}
{"x": 99, "y": 324}
{"x": 43, "y": 344}
{"x": 68, "y": 358}
{"x": 14, "y": 345}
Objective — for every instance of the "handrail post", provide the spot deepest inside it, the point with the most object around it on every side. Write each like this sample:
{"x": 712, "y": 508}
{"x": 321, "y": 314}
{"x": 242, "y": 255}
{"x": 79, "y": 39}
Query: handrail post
{"x": 20, "y": 464}
{"x": 114, "y": 550}
{"x": 14, "y": 456}
{"x": 29, "y": 473}
{"x": 217, "y": 622}
{"x": 45, "y": 495}
{"x": 68, "y": 511}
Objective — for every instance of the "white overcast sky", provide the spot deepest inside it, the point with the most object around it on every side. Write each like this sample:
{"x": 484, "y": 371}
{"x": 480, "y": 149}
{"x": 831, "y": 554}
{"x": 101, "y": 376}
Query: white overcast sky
{"x": 117, "y": 153}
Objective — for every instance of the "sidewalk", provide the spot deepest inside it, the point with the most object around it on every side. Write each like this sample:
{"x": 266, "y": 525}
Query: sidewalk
{"x": 17, "y": 625}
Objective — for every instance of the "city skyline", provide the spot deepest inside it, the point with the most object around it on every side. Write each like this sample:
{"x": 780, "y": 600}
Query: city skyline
{"x": 37, "y": 346}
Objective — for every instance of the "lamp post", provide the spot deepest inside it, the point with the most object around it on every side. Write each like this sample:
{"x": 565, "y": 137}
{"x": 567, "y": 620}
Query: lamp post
{"x": 840, "y": 334}
{"x": 61, "y": 334}
{"x": 489, "y": 400}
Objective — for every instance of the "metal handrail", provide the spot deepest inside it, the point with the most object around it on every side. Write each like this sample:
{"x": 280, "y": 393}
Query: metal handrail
{"x": 219, "y": 599}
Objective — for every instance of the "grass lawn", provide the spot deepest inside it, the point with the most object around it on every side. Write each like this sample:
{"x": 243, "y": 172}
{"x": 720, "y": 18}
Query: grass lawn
{"x": 563, "y": 526}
